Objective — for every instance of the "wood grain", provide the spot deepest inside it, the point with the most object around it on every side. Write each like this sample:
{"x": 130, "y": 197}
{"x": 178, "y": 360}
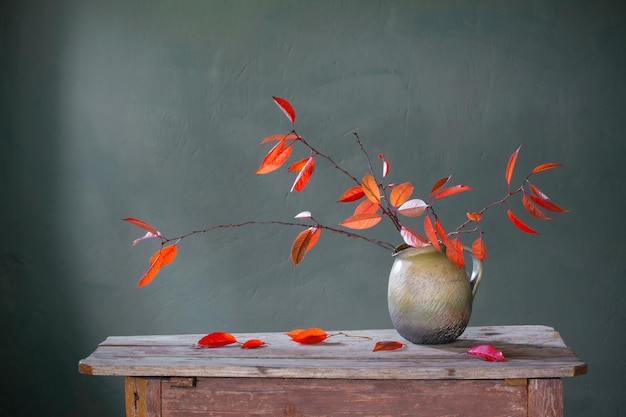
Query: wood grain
{"x": 531, "y": 352}
{"x": 317, "y": 398}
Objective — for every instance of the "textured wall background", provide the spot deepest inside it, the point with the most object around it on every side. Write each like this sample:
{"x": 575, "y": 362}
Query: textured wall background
{"x": 155, "y": 109}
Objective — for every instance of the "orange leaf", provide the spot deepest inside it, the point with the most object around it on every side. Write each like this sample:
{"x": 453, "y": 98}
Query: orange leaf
{"x": 310, "y": 336}
{"x": 366, "y": 206}
{"x": 352, "y": 194}
{"x": 388, "y": 345}
{"x": 519, "y": 224}
{"x": 478, "y": 249}
{"x": 166, "y": 254}
{"x": 438, "y": 185}
{"x": 475, "y": 217}
{"x": 413, "y": 238}
{"x": 305, "y": 240}
{"x": 216, "y": 339}
{"x": 452, "y": 191}
{"x": 141, "y": 224}
{"x": 534, "y": 210}
{"x": 547, "y": 204}
{"x": 160, "y": 258}
{"x": 545, "y": 167}
{"x": 275, "y": 158}
{"x": 286, "y": 107}
{"x": 400, "y": 194}
{"x": 443, "y": 236}
{"x": 361, "y": 221}
{"x": 298, "y": 165}
{"x": 275, "y": 138}
{"x": 511, "y": 165}
{"x": 430, "y": 232}
{"x": 304, "y": 175}
{"x": 454, "y": 252}
{"x": 293, "y": 333}
{"x": 152, "y": 272}
{"x": 252, "y": 343}
{"x": 370, "y": 188}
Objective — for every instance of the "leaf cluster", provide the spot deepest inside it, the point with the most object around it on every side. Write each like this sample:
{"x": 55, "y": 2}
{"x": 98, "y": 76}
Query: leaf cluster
{"x": 376, "y": 199}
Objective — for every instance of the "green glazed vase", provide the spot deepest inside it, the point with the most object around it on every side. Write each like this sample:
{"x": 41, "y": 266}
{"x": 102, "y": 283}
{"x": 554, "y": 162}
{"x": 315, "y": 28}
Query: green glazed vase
{"x": 430, "y": 298}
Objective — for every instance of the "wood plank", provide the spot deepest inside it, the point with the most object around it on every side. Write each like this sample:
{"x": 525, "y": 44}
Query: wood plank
{"x": 545, "y": 398}
{"x": 143, "y": 397}
{"x": 531, "y": 352}
{"x": 316, "y": 398}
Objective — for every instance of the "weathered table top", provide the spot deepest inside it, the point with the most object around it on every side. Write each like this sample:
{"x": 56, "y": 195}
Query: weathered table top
{"x": 531, "y": 352}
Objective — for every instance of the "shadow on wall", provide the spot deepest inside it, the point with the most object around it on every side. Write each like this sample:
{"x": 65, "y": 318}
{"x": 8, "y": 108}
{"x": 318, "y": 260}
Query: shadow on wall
{"x": 43, "y": 335}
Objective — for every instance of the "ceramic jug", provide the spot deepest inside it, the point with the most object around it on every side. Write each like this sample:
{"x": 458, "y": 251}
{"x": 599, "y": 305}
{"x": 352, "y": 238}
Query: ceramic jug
{"x": 430, "y": 298}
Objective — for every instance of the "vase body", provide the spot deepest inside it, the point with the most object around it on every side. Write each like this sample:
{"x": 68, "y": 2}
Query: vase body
{"x": 430, "y": 298}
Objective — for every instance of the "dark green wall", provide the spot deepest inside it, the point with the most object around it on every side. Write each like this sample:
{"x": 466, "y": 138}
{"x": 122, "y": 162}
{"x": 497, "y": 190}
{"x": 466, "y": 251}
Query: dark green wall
{"x": 155, "y": 109}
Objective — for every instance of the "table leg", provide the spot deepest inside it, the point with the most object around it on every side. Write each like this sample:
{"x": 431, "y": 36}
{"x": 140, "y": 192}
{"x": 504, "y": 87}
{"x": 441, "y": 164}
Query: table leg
{"x": 545, "y": 397}
{"x": 143, "y": 397}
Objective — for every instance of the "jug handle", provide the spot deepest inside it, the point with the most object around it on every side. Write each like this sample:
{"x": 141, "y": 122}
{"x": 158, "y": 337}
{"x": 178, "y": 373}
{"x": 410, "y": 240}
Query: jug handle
{"x": 477, "y": 272}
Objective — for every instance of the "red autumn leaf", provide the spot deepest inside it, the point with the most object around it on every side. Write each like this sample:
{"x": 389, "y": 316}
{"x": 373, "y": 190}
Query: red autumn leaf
{"x": 487, "y": 352}
{"x": 443, "y": 236}
{"x": 361, "y": 221}
{"x": 298, "y": 165}
{"x": 275, "y": 158}
{"x": 456, "y": 189}
{"x": 275, "y": 138}
{"x": 478, "y": 249}
{"x": 162, "y": 257}
{"x": 438, "y": 185}
{"x": 534, "y": 210}
{"x": 545, "y": 167}
{"x": 310, "y": 336}
{"x": 388, "y": 345}
{"x": 519, "y": 224}
{"x": 413, "y": 238}
{"x": 511, "y": 165}
{"x": 547, "y": 204}
{"x": 304, "y": 175}
{"x": 430, "y": 233}
{"x": 252, "y": 343}
{"x": 286, "y": 107}
{"x": 370, "y": 188}
{"x": 352, "y": 194}
{"x": 141, "y": 224}
{"x": 400, "y": 194}
{"x": 305, "y": 240}
{"x": 536, "y": 191}
{"x": 413, "y": 208}
{"x": 454, "y": 252}
{"x": 475, "y": 217}
{"x": 366, "y": 206}
{"x": 216, "y": 339}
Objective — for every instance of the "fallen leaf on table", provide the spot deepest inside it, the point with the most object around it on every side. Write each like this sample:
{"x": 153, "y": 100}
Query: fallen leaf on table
{"x": 216, "y": 339}
{"x": 487, "y": 352}
{"x": 388, "y": 345}
{"x": 252, "y": 343}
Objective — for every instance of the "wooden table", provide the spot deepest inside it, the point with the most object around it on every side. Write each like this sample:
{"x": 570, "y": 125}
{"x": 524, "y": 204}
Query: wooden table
{"x": 167, "y": 377}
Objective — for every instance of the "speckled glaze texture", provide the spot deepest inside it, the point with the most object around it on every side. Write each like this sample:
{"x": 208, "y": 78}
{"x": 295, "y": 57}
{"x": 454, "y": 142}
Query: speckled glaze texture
{"x": 430, "y": 298}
